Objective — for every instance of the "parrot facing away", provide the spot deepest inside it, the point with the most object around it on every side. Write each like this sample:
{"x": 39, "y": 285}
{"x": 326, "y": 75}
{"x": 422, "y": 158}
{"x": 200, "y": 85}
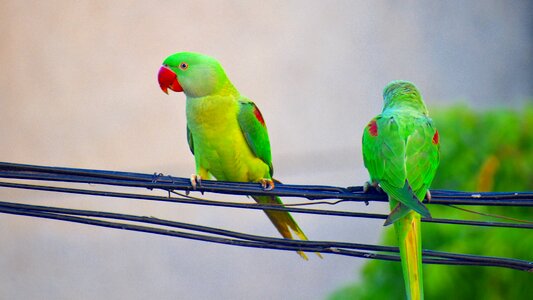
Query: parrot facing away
{"x": 225, "y": 130}
{"x": 401, "y": 153}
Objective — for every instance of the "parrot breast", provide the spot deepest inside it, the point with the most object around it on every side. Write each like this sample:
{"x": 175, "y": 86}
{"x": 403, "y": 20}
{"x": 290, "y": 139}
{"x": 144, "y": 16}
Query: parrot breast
{"x": 219, "y": 144}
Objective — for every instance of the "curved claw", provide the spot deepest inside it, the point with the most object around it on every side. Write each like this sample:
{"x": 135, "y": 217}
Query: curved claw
{"x": 196, "y": 180}
{"x": 366, "y": 187}
{"x": 428, "y": 195}
{"x": 369, "y": 187}
{"x": 267, "y": 184}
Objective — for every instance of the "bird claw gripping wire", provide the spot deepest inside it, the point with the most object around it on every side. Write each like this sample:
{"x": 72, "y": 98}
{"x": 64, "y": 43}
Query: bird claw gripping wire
{"x": 428, "y": 196}
{"x": 371, "y": 187}
{"x": 267, "y": 184}
{"x": 196, "y": 181}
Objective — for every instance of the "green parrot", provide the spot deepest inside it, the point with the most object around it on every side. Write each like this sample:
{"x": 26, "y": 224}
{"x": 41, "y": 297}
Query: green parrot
{"x": 225, "y": 130}
{"x": 401, "y": 153}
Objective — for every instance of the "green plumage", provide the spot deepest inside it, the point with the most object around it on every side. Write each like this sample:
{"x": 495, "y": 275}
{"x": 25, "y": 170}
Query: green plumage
{"x": 225, "y": 130}
{"x": 401, "y": 153}
{"x": 255, "y": 132}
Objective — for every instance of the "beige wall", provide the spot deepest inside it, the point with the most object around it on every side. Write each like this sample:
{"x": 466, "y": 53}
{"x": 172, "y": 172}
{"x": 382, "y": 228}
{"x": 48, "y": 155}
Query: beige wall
{"x": 78, "y": 88}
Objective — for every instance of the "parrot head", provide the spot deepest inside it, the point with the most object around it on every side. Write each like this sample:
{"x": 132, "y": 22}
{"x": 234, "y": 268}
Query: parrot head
{"x": 194, "y": 74}
{"x": 403, "y": 93}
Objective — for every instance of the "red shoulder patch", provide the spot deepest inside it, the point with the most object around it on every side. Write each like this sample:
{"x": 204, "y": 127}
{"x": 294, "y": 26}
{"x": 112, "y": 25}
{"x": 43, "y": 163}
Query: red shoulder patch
{"x": 258, "y": 115}
{"x": 373, "y": 128}
{"x": 436, "y": 137}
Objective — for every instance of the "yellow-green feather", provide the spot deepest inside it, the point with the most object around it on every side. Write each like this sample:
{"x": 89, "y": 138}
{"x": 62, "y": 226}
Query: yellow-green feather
{"x": 224, "y": 133}
{"x": 283, "y": 221}
{"x": 219, "y": 145}
{"x": 410, "y": 245}
{"x": 401, "y": 155}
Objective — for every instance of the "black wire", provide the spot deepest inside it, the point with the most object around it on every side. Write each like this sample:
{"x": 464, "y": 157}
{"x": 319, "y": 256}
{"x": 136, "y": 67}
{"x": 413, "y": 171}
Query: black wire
{"x": 169, "y": 184}
{"x": 247, "y": 240}
{"x": 255, "y": 206}
{"x": 31, "y": 172}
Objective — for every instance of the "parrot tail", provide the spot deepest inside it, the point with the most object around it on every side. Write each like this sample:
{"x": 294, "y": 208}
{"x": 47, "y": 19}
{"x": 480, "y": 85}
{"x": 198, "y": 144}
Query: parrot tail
{"x": 283, "y": 221}
{"x": 410, "y": 244}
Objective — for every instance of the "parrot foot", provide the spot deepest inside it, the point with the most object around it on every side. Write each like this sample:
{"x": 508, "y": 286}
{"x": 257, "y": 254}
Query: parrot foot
{"x": 267, "y": 184}
{"x": 428, "y": 195}
{"x": 369, "y": 187}
{"x": 196, "y": 180}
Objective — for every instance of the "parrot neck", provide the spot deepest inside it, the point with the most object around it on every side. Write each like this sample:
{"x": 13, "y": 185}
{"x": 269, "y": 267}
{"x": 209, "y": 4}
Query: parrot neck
{"x": 227, "y": 89}
{"x": 214, "y": 108}
{"x": 223, "y": 88}
{"x": 406, "y": 104}
{"x": 406, "y": 109}
{"x": 403, "y": 95}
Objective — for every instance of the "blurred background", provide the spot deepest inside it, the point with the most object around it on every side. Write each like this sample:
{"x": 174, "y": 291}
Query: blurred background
{"x": 78, "y": 88}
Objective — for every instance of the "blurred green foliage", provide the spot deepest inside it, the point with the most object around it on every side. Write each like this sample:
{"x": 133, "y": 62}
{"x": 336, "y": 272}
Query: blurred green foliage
{"x": 480, "y": 151}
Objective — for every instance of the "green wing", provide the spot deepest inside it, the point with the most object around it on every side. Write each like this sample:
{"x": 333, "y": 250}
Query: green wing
{"x": 371, "y": 149}
{"x": 255, "y": 132}
{"x": 385, "y": 146}
{"x": 189, "y": 140}
{"x": 384, "y": 152}
{"x": 422, "y": 155}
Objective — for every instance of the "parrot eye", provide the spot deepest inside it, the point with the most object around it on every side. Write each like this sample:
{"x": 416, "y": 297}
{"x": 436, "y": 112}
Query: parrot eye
{"x": 184, "y": 66}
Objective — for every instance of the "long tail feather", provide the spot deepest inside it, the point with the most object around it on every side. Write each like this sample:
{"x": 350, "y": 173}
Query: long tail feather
{"x": 283, "y": 221}
{"x": 397, "y": 213}
{"x": 410, "y": 244}
{"x": 407, "y": 197}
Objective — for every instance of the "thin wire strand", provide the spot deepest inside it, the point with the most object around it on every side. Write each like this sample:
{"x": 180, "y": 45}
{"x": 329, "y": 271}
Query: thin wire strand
{"x": 490, "y": 215}
{"x": 159, "y": 181}
{"x": 171, "y": 184}
{"x": 200, "y": 201}
{"x": 248, "y": 240}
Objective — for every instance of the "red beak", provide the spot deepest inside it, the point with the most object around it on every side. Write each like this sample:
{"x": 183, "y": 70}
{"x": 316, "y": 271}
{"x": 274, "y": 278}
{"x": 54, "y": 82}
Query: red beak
{"x": 168, "y": 79}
